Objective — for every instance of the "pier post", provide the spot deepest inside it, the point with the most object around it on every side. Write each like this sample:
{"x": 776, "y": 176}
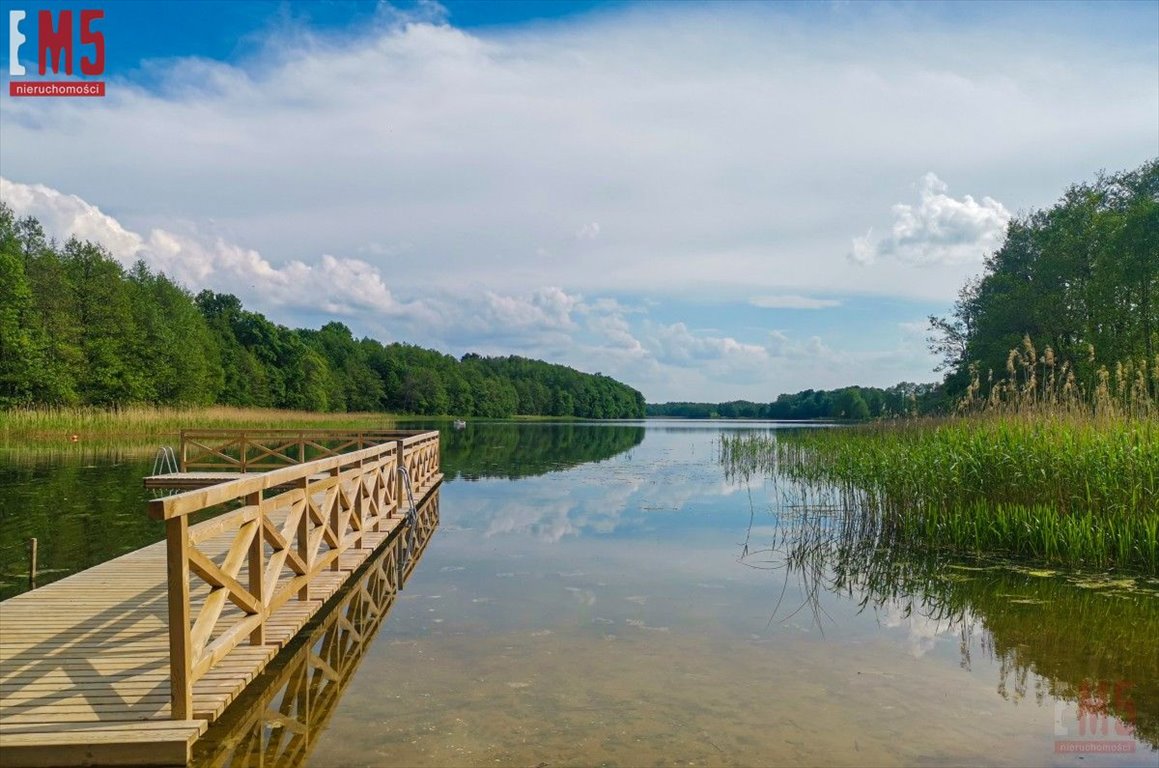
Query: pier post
{"x": 257, "y": 566}
{"x": 180, "y": 651}
{"x": 302, "y": 536}
{"x": 335, "y": 516}
{"x": 32, "y": 563}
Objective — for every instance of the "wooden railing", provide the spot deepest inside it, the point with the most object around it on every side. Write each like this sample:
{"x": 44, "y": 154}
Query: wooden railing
{"x": 298, "y": 701}
{"x": 314, "y": 512}
{"x": 259, "y": 450}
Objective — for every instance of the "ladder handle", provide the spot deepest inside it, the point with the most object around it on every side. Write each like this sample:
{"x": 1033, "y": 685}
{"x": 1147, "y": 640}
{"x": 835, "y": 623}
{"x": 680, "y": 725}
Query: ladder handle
{"x": 412, "y": 519}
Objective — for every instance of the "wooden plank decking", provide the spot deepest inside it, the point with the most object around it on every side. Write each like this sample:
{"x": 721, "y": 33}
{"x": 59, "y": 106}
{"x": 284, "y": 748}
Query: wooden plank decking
{"x": 85, "y": 662}
{"x": 181, "y": 481}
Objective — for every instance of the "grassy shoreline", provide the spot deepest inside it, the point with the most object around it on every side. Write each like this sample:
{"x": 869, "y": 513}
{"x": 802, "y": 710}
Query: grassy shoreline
{"x": 1058, "y": 489}
{"x": 56, "y": 427}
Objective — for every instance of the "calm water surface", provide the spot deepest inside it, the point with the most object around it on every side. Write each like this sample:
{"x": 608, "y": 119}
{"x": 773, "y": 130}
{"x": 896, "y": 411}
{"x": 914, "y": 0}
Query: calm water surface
{"x": 609, "y": 595}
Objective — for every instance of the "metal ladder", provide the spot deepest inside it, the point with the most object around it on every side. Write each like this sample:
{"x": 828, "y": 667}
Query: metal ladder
{"x": 165, "y": 462}
{"x": 410, "y": 535}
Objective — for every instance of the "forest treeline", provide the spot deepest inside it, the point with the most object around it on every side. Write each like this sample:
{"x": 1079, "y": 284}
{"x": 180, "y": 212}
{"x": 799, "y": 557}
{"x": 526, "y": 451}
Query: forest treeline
{"x": 77, "y": 328}
{"x": 1080, "y": 279}
{"x": 1070, "y": 297}
{"x": 903, "y": 399}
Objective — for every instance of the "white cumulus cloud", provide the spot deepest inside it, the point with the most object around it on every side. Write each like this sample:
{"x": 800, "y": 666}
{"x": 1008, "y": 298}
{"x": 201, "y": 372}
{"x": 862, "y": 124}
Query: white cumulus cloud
{"x": 332, "y": 285}
{"x": 64, "y": 216}
{"x": 939, "y": 229}
{"x": 677, "y": 344}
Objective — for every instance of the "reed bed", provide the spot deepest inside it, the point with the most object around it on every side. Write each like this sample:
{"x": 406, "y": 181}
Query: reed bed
{"x": 1067, "y": 489}
{"x": 138, "y": 425}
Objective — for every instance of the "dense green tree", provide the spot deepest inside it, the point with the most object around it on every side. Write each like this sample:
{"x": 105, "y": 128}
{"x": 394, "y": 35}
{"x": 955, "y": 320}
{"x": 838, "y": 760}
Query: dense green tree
{"x": 108, "y": 331}
{"x": 1080, "y": 278}
{"x": 849, "y": 404}
{"x": 54, "y": 324}
{"x": 177, "y": 355}
{"x": 356, "y": 387}
{"x": 244, "y": 380}
{"x": 20, "y": 357}
{"x": 846, "y": 403}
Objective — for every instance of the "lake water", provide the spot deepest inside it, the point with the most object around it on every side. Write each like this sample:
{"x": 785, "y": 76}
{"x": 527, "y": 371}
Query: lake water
{"x": 611, "y": 595}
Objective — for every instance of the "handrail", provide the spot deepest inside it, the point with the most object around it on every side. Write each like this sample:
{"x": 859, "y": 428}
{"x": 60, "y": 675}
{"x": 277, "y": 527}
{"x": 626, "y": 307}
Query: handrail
{"x": 263, "y": 449}
{"x": 195, "y": 500}
{"x": 281, "y": 542}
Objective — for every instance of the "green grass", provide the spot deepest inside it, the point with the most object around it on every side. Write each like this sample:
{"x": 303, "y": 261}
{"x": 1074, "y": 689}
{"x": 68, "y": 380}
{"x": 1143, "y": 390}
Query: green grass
{"x": 53, "y": 429}
{"x": 1057, "y": 489}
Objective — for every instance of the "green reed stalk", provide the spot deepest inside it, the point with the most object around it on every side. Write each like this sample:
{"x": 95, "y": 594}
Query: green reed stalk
{"x": 1078, "y": 490}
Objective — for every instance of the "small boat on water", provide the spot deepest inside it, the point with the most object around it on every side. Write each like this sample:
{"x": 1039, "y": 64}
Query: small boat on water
{"x": 460, "y": 424}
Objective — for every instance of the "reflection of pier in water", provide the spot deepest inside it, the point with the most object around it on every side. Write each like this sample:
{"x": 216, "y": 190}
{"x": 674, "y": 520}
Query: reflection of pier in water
{"x": 280, "y": 716}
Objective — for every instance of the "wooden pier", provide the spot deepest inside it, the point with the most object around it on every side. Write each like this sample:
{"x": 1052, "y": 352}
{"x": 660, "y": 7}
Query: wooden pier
{"x": 129, "y": 662}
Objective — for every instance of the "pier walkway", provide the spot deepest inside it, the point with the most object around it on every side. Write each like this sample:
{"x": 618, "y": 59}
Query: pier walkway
{"x": 129, "y": 662}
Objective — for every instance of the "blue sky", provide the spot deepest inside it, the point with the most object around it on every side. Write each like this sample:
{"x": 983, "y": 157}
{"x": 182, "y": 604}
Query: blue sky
{"x": 706, "y": 200}
{"x": 141, "y": 31}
